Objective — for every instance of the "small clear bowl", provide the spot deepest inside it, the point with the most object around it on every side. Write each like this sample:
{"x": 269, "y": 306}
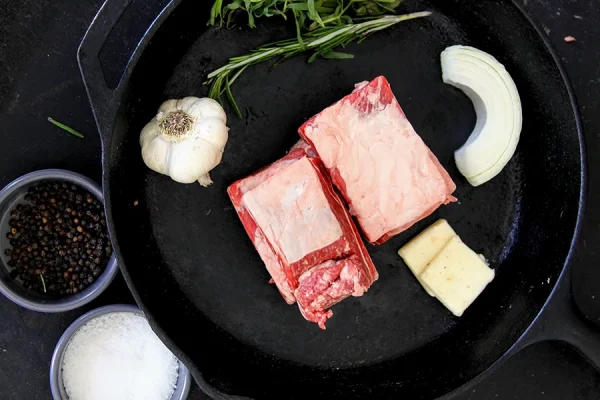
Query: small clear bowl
{"x": 184, "y": 380}
{"x": 12, "y": 195}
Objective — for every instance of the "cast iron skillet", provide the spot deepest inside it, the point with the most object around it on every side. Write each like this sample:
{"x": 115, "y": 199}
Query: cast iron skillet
{"x": 197, "y": 276}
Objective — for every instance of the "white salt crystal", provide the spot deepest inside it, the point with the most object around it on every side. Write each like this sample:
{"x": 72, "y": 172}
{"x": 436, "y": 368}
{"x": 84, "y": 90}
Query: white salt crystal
{"x": 117, "y": 356}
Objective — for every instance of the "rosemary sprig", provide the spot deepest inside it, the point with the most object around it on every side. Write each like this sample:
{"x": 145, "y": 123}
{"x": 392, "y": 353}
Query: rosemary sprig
{"x": 65, "y": 128}
{"x": 321, "y": 41}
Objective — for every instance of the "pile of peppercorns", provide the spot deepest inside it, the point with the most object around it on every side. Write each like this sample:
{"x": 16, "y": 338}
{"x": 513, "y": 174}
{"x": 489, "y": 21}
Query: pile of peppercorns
{"x": 59, "y": 240}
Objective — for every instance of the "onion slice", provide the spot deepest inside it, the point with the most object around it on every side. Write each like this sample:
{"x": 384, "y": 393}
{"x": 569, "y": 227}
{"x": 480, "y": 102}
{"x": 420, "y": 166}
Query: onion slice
{"x": 497, "y": 104}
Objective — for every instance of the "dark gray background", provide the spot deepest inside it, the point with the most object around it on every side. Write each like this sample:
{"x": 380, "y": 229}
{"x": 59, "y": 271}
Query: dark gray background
{"x": 39, "y": 78}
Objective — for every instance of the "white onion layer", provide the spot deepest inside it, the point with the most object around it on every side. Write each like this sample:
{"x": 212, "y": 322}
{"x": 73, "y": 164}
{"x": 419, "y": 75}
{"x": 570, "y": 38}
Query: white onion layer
{"x": 497, "y": 104}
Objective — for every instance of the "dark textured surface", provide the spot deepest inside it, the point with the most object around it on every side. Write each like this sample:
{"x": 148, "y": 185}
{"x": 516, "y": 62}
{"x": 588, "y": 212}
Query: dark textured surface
{"x": 36, "y": 34}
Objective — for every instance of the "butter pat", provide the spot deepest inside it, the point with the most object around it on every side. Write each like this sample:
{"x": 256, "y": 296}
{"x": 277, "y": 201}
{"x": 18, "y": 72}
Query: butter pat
{"x": 420, "y": 251}
{"x": 456, "y": 276}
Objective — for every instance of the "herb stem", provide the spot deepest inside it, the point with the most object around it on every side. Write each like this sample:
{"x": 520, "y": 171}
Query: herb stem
{"x": 245, "y": 62}
{"x": 43, "y": 282}
{"x": 65, "y": 128}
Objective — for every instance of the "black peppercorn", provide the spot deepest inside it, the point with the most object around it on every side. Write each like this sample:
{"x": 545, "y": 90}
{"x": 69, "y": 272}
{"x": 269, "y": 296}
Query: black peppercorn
{"x": 55, "y": 238}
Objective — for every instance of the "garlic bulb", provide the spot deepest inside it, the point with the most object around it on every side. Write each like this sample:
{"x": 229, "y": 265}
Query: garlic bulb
{"x": 186, "y": 139}
{"x": 497, "y": 104}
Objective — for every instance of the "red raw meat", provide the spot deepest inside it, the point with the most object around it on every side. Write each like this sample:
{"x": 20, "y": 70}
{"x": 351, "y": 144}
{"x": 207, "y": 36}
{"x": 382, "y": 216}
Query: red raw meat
{"x": 386, "y": 173}
{"x": 327, "y": 284}
{"x": 301, "y": 144}
{"x": 304, "y": 234}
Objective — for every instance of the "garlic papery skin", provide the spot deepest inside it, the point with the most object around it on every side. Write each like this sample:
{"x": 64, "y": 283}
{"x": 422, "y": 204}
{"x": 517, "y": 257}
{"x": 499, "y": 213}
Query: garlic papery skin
{"x": 186, "y": 139}
{"x": 497, "y": 105}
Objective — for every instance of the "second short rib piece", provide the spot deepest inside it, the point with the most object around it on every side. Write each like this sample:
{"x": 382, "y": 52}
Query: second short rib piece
{"x": 384, "y": 170}
{"x": 304, "y": 234}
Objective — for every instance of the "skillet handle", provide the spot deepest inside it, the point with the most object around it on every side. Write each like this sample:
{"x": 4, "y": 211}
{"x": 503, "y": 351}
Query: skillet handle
{"x": 563, "y": 321}
{"x": 105, "y": 101}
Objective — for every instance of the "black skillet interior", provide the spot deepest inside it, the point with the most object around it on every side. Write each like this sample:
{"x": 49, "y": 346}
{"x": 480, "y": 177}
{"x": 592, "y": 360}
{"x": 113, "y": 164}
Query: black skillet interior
{"x": 195, "y": 272}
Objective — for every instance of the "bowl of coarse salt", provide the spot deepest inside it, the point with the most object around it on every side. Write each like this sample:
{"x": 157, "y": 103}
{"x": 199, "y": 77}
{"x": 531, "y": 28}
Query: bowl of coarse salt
{"x": 112, "y": 353}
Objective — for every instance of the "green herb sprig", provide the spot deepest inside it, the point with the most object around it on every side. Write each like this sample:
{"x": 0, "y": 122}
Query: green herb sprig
{"x": 321, "y": 41}
{"x": 309, "y": 14}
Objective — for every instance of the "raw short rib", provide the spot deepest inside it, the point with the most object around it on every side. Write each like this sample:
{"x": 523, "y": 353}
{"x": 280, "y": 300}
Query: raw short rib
{"x": 387, "y": 174}
{"x": 304, "y": 234}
